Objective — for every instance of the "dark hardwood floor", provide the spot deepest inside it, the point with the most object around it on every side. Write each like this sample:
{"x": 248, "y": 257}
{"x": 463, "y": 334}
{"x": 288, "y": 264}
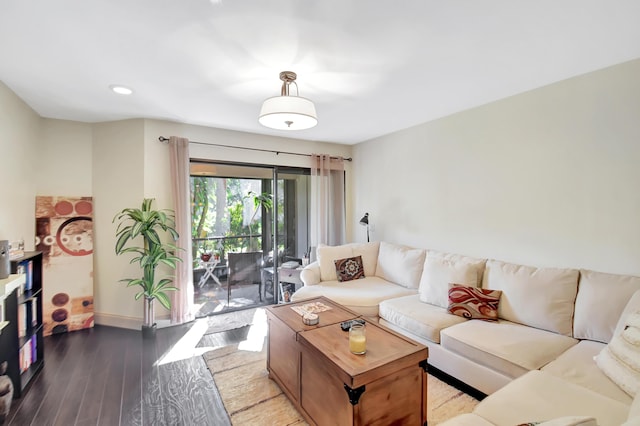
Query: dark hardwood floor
{"x": 111, "y": 376}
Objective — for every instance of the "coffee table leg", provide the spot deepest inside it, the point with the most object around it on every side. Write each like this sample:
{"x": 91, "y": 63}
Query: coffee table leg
{"x": 424, "y": 365}
{"x": 354, "y": 399}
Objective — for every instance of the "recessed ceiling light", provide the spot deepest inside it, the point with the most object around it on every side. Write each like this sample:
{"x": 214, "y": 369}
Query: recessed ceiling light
{"x": 121, "y": 90}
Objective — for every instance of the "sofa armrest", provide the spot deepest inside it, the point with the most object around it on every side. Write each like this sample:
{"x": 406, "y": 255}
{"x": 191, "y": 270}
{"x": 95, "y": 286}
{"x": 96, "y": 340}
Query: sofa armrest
{"x": 310, "y": 274}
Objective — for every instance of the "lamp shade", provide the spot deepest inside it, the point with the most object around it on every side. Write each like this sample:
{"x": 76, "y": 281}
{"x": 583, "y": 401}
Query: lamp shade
{"x": 365, "y": 220}
{"x": 288, "y": 113}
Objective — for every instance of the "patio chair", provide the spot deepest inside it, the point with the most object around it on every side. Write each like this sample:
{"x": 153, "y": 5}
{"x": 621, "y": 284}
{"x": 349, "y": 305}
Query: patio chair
{"x": 245, "y": 268}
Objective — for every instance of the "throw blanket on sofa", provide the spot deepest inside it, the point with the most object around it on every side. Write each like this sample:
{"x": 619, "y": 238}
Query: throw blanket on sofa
{"x": 620, "y": 359}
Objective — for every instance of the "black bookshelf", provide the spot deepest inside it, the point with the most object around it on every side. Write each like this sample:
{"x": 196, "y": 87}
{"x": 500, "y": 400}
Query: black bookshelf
{"x": 15, "y": 343}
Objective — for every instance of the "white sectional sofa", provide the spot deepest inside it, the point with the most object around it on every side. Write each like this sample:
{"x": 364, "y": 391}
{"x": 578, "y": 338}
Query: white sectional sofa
{"x": 388, "y": 274}
{"x": 536, "y": 362}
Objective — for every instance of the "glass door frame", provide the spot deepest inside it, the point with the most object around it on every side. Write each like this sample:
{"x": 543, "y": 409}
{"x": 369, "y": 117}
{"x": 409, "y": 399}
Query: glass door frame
{"x": 276, "y": 173}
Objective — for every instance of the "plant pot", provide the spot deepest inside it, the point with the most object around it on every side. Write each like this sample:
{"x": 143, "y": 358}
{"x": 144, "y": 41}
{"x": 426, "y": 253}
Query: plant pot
{"x": 149, "y": 324}
{"x": 205, "y": 257}
{"x": 149, "y": 332}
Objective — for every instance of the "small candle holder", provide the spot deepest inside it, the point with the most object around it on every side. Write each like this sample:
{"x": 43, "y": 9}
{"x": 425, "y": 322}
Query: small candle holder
{"x": 310, "y": 318}
{"x": 357, "y": 339}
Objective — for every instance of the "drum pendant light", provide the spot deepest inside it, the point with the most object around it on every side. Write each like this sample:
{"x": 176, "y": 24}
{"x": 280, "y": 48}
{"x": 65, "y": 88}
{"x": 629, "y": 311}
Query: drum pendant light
{"x": 288, "y": 112}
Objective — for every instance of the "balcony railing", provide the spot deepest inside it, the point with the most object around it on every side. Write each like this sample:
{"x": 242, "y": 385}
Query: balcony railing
{"x": 225, "y": 244}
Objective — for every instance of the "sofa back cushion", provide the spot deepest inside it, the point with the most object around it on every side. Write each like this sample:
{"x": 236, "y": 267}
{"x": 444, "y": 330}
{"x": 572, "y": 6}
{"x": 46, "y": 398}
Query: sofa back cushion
{"x": 327, "y": 255}
{"x": 600, "y": 302}
{"x": 438, "y": 273}
{"x": 477, "y": 262}
{"x": 400, "y": 264}
{"x": 369, "y": 253}
{"x": 538, "y": 297}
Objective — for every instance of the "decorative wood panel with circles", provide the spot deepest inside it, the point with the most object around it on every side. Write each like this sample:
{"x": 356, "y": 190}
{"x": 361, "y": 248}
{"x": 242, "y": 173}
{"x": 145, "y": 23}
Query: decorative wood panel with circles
{"x": 64, "y": 234}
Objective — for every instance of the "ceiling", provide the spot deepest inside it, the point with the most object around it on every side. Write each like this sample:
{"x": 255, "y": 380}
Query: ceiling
{"x": 372, "y": 67}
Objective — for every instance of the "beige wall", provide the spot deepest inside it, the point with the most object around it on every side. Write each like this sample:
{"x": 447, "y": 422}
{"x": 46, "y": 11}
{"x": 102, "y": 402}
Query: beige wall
{"x": 118, "y": 182}
{"x": 548, "y": 177}
{"x": 19, "y": 157}
{"x": 64, "y": 158}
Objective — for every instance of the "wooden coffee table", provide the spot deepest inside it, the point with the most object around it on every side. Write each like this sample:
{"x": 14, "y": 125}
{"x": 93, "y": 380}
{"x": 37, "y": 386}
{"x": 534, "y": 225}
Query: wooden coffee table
{"x": 330, "y": 385}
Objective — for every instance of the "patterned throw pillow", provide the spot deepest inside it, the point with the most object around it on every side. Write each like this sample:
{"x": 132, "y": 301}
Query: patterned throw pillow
{"x": 565, "y": 421}
{"x": 473, "y": 302}
{"x": 349, "y": 269}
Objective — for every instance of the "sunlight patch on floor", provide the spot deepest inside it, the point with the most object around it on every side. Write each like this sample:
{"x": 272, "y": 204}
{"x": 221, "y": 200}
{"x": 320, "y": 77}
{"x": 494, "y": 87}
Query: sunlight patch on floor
{"x": 257, "y": 333}
{"x": 186, "y": 347}
{"x": 219, "y": 308}
{"x": 239, "y": 302}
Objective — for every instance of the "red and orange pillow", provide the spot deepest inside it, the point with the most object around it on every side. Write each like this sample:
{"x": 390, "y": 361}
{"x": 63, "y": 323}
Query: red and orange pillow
{"x": 473, "y": 303}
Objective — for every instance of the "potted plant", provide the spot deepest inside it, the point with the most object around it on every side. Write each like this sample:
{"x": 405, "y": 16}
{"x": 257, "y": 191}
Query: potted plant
{"x": 206, "y": 251}
{"x": 151, "y": 225}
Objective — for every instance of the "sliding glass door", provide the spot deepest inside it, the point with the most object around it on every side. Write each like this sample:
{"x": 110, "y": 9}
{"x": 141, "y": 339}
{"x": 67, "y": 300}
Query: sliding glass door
{"x": 237, "y": 255}
{"x": 292, "y": 224}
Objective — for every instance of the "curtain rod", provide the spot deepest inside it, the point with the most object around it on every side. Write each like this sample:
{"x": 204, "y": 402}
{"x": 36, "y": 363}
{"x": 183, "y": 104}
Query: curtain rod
{"x": 166, "y": 140}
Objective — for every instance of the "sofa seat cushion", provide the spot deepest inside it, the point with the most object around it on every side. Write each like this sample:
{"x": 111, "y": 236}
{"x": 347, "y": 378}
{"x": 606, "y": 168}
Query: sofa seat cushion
{"x": 422, "y": 319}
{"x": 568, "y": 421}
{"x": 576, "y": 365}
{"x": 539, "y": 396}
{"x": 362, "y": 296}
{"x": 509, "y": 348}
{"x": 466, "y": 420}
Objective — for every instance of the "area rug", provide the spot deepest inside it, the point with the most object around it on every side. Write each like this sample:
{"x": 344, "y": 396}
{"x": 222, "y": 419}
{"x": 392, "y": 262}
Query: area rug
{"x": 250, "y": 397}
{"x": 230, "y": 321}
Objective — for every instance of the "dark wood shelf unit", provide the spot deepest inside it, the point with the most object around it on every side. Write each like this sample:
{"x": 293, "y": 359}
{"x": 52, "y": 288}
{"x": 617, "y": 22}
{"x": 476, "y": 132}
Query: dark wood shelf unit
{"x": 29, "y": 295}
{"x": 33, "y": 331}
{"x": 11, "y": 342}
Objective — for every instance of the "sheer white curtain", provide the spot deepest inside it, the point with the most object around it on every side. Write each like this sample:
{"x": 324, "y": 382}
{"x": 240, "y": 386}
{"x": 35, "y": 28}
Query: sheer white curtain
{"x": 327, "y": 200}
{"x": 182, "y": 300}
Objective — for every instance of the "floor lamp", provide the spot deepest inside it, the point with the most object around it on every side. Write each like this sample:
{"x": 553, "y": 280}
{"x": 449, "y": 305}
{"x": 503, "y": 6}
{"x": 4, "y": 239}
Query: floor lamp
{"x": 365, "y": 222}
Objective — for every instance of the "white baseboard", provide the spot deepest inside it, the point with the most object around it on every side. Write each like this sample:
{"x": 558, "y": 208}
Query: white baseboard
{"x": 132, "y": 323}
{"x": 119, "y": 321}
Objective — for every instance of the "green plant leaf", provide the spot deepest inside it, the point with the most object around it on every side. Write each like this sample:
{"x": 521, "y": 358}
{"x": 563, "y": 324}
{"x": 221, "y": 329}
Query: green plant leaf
{"x": 122, "y": 240}
{"x": 164, "y": 300}
{"x": 136, "y": 229}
